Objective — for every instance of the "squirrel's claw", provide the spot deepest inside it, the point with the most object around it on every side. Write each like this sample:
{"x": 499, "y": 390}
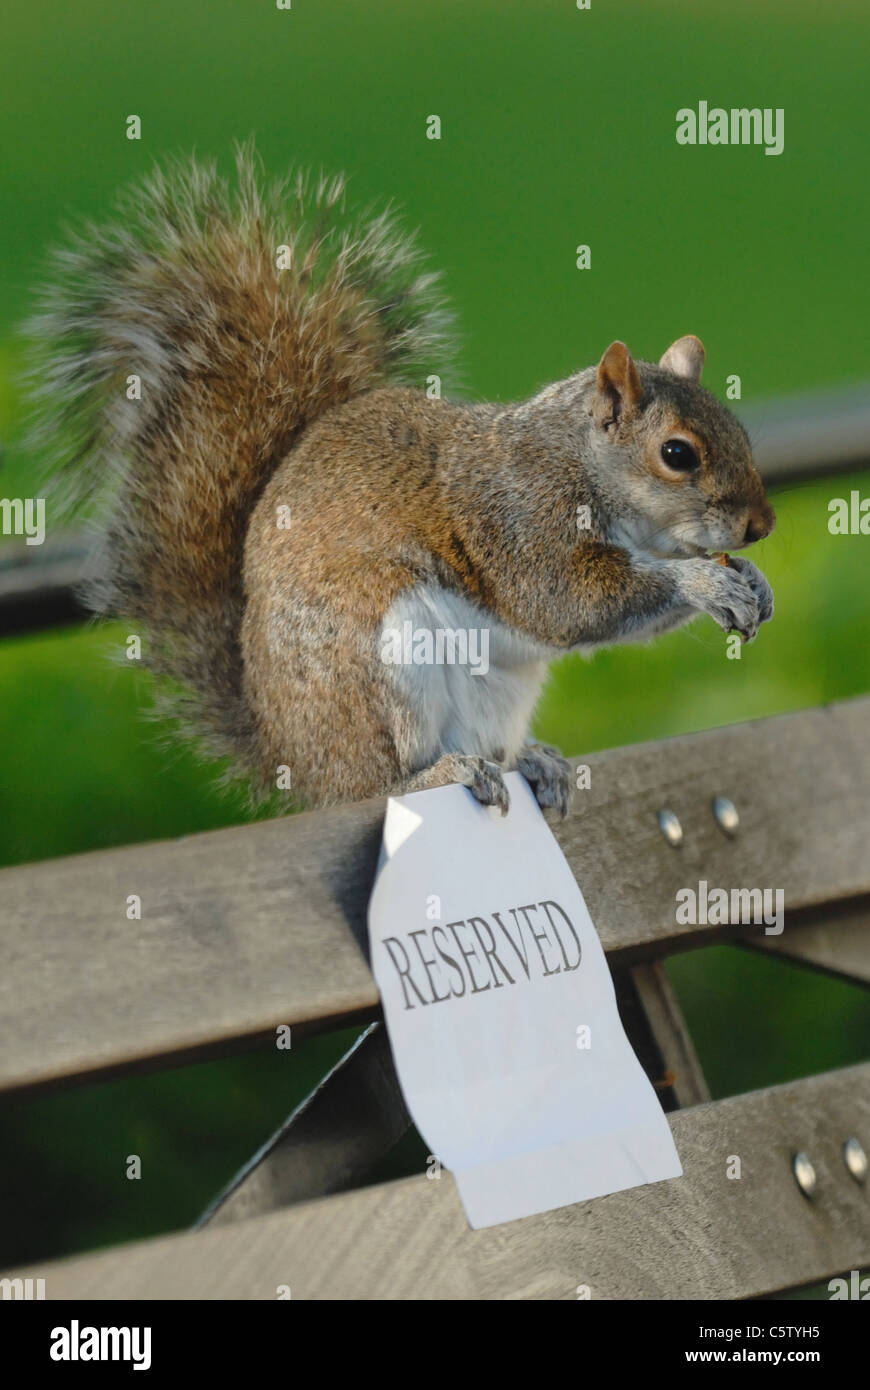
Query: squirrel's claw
{"x": 549, "y": 776}
{"x": 758, "y": 584}
{"x": 486, "y": 783}
{"x": 734, "y": 596}
{"x": 485, "y": 780}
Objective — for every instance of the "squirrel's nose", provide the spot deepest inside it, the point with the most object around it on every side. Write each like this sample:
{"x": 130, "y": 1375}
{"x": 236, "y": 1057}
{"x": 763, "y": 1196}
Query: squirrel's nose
{"x": 760, "y": 524}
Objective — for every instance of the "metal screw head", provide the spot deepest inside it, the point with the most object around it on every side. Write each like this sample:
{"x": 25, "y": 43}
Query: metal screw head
{"x": 805, "y": 1174}
{"x": 726, "y": 814}
{"x": 855, "y": 1159}
{"x": 670, "y": 828}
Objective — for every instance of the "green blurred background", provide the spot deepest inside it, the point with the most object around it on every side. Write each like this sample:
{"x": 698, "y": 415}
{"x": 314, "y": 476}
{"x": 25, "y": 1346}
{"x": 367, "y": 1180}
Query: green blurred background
{"x": 558, "y": 128}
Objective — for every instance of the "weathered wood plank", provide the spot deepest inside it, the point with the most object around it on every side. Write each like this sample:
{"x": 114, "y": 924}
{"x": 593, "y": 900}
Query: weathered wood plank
{"x": 666, "y": 1023}
{"x": 39, "y": 584}
{"x": 330, "y": 1142}
{"x": 810, "y": 435}
{"x": 702, "y": 1236}
{"x": 794, "y": 437}
{"x": 774, "y": 770}
{"x": 352, "y": 1119}
{"x": 839, "y": 944}
{"x": 248, "y": 928}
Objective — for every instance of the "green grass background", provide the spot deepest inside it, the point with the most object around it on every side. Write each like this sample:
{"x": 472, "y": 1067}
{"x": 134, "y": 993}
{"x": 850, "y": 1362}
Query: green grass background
{"x": 558, "y": 128}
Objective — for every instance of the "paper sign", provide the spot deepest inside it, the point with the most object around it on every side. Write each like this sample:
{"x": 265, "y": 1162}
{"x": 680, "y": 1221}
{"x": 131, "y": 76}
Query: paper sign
{"x": 501, "y": 1010}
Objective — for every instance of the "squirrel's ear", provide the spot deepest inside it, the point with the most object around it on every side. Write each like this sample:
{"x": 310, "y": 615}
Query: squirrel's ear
{"x": 685, "y": 357}
{"x": 618, "y": 383}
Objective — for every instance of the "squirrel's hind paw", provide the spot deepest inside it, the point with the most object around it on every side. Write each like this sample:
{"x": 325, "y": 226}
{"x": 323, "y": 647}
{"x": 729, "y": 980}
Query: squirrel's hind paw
{"x": 549, "y": 776}
{"x": 483, "y": 779}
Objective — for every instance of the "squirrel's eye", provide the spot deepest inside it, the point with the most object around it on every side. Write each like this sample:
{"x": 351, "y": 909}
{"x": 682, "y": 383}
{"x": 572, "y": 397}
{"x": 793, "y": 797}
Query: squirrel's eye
{"x": 679, "y": 455}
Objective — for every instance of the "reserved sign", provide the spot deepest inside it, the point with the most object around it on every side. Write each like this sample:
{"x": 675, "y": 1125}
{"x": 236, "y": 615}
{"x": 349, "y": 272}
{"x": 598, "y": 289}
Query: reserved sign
{"x": 501, "y": 1010}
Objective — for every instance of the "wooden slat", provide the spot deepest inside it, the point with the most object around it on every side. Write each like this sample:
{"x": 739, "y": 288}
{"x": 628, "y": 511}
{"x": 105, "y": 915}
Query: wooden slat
{"x": 635, "y": 1020}
{"x": 702, "y": 1236}
{"x": 39, "y": 584}
{"x": 666, "y": 1023}
{"x": 249, "y": 928}
{"x": 795, "y": 437}
{"x": 330, "y": 1142}
{"x": 352, "y": 1119}
{"x": 839, "y": 944}
{"x": 810, "y": 435}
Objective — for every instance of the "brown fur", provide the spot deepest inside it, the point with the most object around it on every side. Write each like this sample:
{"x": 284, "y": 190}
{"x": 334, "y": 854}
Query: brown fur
{"x": 493, "y": 517}
{"x": 264, "y": 389}
{"x": 236, "y": 358}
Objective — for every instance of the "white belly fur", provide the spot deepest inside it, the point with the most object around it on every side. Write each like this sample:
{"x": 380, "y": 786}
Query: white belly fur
{"x": 457, "y": 709}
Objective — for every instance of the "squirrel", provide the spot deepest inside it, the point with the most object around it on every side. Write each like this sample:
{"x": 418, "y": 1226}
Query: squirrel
{"x": 284, "y": 496}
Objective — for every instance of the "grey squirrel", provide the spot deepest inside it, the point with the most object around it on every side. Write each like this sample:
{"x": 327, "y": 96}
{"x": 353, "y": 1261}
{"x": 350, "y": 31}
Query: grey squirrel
{"x": 284, "y": 497}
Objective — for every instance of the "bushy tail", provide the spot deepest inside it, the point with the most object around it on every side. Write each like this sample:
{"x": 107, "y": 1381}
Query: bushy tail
{"x": 234, "y": 356}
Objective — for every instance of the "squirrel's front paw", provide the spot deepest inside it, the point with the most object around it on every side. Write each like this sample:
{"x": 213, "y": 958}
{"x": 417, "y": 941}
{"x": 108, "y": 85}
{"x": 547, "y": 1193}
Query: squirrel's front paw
{"x": 724, "y": 592}
{"x": 549, "y": 776}
{"x": 757, "y": 583}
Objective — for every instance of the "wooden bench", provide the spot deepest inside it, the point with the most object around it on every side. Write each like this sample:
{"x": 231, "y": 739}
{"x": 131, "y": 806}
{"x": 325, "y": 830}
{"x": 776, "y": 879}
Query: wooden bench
{"x": 248, "y": 929}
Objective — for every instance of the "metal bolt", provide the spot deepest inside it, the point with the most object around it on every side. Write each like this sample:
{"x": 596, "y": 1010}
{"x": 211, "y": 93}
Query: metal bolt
{"x": 726, "y": 814}
{"x": 855, "y": 1159}
{"x": 805, "y": 1174}
{"x": 670, "y": 828}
